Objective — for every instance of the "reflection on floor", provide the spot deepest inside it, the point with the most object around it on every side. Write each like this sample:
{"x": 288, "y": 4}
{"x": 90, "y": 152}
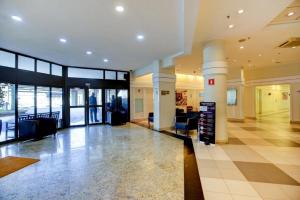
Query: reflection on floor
{"x": 261, "y": 161}
{"x": 98, "y": 162}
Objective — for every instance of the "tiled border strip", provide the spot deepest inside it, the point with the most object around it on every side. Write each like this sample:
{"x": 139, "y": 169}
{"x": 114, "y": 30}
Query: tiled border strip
{"x": 192, "y": 184}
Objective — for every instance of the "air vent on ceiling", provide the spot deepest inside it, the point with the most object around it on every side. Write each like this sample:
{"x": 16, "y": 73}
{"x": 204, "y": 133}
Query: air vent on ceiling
{"x": 292, "y": 42}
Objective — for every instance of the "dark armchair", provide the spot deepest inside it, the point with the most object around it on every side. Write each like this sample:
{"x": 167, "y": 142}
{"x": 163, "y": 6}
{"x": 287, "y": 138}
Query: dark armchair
{"x": 150, "y": 118}
{"x": 186, "y": 124}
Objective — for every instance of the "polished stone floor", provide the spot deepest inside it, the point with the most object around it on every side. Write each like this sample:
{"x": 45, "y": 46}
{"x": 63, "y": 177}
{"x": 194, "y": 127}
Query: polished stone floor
{"x": 98, "y": 162}
{"x": 261, "y": 161}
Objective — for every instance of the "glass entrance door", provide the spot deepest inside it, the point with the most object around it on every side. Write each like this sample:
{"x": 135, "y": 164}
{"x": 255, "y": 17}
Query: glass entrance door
{"x": 95, "y": 106}
{"x": 77, "y": 107}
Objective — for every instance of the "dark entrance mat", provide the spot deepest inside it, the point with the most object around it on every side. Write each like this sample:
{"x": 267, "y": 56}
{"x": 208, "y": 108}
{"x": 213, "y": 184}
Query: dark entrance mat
{"x": 264, "y": 173}
{"x": 11, "y": 164}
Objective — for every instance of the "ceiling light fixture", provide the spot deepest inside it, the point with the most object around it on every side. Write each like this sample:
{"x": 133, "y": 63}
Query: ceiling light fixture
{"x": 259, "y": 55}
{"x": 120, "y": 9}
{"x": 140, "y": 37}
{"x": 241, "y": 11}
{"x": 17, "y": 18}
{"x": 231, "y": 26}
{"x": 290, "y": 14}
{"x": 105, "y": 60}
{"x": 242, "y": 47}
{"x": 89, "y": 52}
{"x": 62, "y": 40}
{"x": 294, "y": 47}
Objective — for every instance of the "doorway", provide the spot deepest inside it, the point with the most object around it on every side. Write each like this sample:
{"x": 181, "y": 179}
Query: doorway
{"x": 273, "y": 102}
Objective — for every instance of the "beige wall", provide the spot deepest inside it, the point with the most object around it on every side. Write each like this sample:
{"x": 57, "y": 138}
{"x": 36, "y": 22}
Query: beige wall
{"x": 295, "y": 102}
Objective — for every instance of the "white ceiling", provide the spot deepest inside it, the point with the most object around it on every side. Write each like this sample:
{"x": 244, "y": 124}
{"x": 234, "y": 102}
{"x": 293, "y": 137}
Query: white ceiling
{"x": 254, "y": 23}
{"x": 94, "y": 25}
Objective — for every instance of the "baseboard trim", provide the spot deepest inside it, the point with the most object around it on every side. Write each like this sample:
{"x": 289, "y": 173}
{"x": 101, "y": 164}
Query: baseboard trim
{"x": 221, "y": 141}
{"x": 235, "y": 120}
{"x": 251, "y": 118}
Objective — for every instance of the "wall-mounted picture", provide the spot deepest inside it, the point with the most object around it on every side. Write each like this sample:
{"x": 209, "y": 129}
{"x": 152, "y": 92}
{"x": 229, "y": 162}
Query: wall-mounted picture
{"x": 181, "y": 97}
{"x": 231, "y": 96}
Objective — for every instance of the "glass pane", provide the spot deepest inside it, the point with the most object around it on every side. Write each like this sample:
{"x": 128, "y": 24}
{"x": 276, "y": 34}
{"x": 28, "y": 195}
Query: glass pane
{"x": 110, "y": 103}
{"x": 110, "y": 75}
{"x": 7, "y": 59}
{"x": 7, "y": 111}
{"x": 43, "y": 99}
{"x": 43, "y": 67}
{"x": 77, "y": 116}
{"x": 121, "y": 76}
{"x": 77, "y": 97}
{"x": 85, "y": 73}
{"x": 122, "y": 102}
{"x": 95, "y": 97}
{"x": 95, "y": 115}
{"x": 56, "y": 70}
{"x": 25, "y": 99}
{"x": 26, "y": 63}
{"x": 57, "y": 104}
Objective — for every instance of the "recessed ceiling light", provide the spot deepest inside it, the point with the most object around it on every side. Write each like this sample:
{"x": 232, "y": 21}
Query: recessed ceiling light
{"x": 242, "y": 47}
{"x": 294, "y": 47}
{"x": 120, "y": 9}
{"x": 259, "y": 55}
{"x": 89, "y": 52}
{"x": 241, "y": 11}
{"x": 105, "y": 60}
{"x": 290, "y": 14}
{"x": 231, "y": 26}
{"x": 17, "y": 18}
{"x": 62, "y": 40}
{"x": 140, "y": 37}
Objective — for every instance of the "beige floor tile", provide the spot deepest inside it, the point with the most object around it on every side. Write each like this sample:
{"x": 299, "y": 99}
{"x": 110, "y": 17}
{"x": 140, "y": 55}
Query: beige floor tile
{"x": 233, "y": 174}
{"x": 291, "y": 170}
{"x": 214, "y": 185}
{"x": 269, "y": 191}
{"x": 241, "y": 188}
{"x": 293, "y": 192}
{"x": 240, "y": 197}
{"x": 210, "y": 172}
{"x": 216, "y": 196}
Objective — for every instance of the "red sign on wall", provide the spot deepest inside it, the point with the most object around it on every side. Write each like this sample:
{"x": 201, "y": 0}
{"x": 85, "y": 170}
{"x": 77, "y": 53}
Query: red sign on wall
{"x": 211, "y": 81}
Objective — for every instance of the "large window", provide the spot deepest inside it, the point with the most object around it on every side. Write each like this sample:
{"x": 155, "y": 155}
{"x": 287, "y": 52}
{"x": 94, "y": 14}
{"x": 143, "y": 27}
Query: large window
{"x": 110, "y": 75}
{"x": 7, "y": 59}
{"x": 85, "y": 73}
{"x": 25, "y": 99}
{"x": 77, "y": 106}
{"x": 122, "y": 76}
{"x": 26, "y": 63}
{"x": 43, "y": 99}
{"x": 57, "y": 103}
{"x": 7, "y": 111}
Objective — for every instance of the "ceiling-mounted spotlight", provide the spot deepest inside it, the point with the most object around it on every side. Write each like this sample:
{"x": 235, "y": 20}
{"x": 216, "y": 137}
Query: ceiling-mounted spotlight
{"x": 241, "y": 11}
{"x": 290, "y": 14}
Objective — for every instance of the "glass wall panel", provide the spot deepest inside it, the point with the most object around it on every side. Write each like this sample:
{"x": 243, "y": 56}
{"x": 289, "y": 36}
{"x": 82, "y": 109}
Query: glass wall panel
{"x": 77, "y": 116}
{"x": 110, "y": 75}
{"x": 26, "y": 63}
{"x": 121, "y": 76}
{"x": 56, "y": 70}
{"x": 7, "y": 111}
{"x": 95, "y": 109}
{"x": 84, "y": 73}
{"x": 57, "y": 103}
{"x": 77, "y": 97}
{"x": 110, "y": 103}
{"x": 122, "y": 102}
{"x": 43, "y": 99}
{"x": 7, "y": 59}
{"x": 25, "y": 99}
{"x": 43, "y": 67}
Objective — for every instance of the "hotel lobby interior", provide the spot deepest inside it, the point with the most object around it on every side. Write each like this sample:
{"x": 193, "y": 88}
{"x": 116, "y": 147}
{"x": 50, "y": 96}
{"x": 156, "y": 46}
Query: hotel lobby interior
{"x": 154, "y": 100}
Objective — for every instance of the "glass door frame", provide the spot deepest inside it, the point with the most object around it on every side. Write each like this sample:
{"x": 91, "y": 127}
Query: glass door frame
{"x": 87, "y": 89}
{"x": 80, "y": 106}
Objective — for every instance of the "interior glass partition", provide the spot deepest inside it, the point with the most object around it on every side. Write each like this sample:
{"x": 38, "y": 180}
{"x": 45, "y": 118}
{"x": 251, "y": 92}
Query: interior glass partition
{"x": 77, "y": 106}
{"x": 7, "y": 111}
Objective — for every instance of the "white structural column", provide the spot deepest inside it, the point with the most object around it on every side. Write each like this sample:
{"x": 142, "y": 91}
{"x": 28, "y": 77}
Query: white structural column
{"x": 164, "y": 100}
{"x": 215, "y": 84}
